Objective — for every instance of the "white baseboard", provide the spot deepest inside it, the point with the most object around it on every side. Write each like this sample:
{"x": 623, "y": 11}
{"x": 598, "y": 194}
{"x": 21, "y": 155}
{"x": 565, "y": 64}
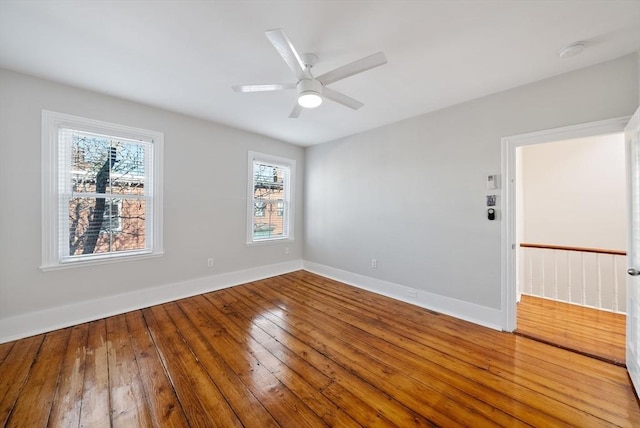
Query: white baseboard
{"x": 33, "y": 323}
{"x": 471, "y": 312}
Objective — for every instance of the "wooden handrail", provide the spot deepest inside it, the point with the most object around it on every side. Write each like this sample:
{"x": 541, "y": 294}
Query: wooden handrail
{"x": 581, "y": 249}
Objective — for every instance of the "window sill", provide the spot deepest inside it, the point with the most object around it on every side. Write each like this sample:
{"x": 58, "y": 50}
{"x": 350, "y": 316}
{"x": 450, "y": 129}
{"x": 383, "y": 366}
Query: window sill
{"x": 99, "y": 261}
{"x": 269, "y": 241}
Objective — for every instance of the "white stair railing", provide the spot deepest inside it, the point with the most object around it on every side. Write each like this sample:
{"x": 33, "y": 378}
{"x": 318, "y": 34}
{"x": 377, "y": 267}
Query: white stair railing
{"x": 585, "y": 276}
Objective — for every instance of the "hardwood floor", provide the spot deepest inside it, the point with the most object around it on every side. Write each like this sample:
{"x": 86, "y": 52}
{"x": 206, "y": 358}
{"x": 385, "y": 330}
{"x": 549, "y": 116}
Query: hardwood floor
{"x": 300, "y": 350}
{"x": 600, "y": 334}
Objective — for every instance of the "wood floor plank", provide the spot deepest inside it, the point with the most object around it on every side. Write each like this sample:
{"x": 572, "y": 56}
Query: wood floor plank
{"x": 65, "y": 411}
{"x": 5, "y": 349}
{"x": 129, "y": 403}
{"x": 14, "y": 371}
{"x": 96, "y": 408}
{"x": 40, "y": 387}
{"x": 303, "y": 350}
{"x": 164, "y": 407}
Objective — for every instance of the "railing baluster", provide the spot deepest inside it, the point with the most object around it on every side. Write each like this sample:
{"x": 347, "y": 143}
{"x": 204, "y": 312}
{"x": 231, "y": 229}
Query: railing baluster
{"x": 569, "y": 279}
{"x": 599, "y": 267}
{"x": 544, "y": 294}
{"x": 555, "y": 274}
{"x": 530, "y": 258}
{"x": 584, "y": 280}
{"x": 615, "y": 307}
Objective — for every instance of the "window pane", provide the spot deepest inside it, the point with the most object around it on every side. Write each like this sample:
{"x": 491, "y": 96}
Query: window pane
{"x": 131, "y": 235}
{"x": 89, "y": 153}
{"x": 107, "y": 165}
{"x": 127, "y": 175}
{"x": 103, "y": 225}
{"x": 270, "y": 183}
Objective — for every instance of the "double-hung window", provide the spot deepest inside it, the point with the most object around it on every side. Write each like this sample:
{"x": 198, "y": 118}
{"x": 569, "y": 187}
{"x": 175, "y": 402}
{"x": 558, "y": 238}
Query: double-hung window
{"x": 270, "y": 208}
{"x": 101, "y": 191}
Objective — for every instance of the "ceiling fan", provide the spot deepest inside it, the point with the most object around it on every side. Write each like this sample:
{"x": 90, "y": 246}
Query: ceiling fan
{"x": 311, "y": 90}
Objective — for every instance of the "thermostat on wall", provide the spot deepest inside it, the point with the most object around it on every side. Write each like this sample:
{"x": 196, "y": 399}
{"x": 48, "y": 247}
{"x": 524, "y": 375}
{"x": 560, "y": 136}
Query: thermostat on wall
{"x": 492, "y": 182}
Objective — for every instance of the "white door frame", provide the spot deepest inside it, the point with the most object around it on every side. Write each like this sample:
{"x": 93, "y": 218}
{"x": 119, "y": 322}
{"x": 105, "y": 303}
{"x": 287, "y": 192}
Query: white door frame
{"x": 509, "y": 145}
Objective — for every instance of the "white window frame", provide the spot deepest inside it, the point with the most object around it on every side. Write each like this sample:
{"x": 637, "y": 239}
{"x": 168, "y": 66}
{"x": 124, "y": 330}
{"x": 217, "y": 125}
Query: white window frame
{"x": 53, "y": 253}
{"x": 289, "y": 192}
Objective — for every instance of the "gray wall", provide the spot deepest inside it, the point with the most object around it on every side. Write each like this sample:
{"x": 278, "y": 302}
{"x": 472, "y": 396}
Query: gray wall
{"x": 205, "y": 186}
{"x": 412, "y": 194}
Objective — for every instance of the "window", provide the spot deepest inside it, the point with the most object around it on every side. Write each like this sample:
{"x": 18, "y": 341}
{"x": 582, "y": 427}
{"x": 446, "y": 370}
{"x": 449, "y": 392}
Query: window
{"x": 101, "y": 191}
{"x": 270, "y": 210}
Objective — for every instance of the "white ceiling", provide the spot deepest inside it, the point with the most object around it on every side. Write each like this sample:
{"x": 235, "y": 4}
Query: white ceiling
{"x": 185, "y": 55}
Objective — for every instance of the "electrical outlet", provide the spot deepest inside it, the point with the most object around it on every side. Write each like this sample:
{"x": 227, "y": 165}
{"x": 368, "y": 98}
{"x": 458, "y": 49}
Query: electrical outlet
{"x": 209, "y": 262}
{"x": 374, "y": 263}
{"x": 412, "y": 293}
{"x": 286, "y": 250}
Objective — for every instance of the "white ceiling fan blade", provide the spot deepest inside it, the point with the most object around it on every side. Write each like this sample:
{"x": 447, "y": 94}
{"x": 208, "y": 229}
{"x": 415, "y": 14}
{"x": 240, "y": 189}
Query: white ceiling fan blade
{"x": 263, "y": 88}
{"x": 355, "y": 67}
{"x": 297, "y": 109}
{"x": 285, "y": 48}
{"x": 341, "y": 98}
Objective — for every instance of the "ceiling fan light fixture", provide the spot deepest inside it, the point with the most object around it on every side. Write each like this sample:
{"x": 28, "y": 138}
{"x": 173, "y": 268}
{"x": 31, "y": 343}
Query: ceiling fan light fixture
{"x": 309, "y": 93}
{"x": 309, "y": 99}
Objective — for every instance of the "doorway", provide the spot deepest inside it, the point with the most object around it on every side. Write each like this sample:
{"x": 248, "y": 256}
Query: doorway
{"x": 571, "y": 231}
{"x": 560, "y": 279}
